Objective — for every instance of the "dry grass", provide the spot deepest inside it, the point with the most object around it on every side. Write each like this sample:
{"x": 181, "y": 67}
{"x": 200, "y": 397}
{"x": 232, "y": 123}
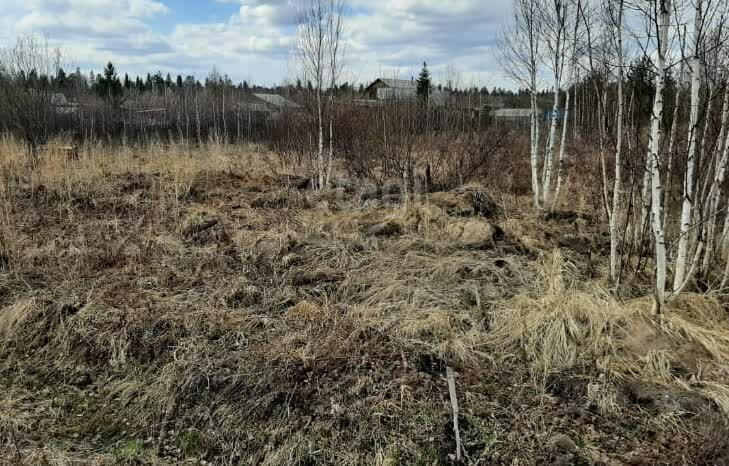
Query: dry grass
{"x": 559, "y": 326}
{"x": 176, "y": 298}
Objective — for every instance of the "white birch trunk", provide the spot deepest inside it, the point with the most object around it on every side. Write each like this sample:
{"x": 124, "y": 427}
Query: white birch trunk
{"x": 561, "y": 162}
{"x": 601, "y": 107}
{"x": 549, "y": 156}
{"x": 614, "y": 240}
{"x": 536, "y": 186}
{"x": 708, "y": 178}
{"x": 715, "y": 191}
{"x": 688, "y": 183}
{"x": 654, "y": 157}
{"x": 320, "y": 168}
{"x": 331, "y": 154}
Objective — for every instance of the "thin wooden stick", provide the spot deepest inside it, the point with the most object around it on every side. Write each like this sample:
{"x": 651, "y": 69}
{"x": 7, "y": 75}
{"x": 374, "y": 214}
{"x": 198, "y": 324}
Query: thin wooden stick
{"x": 454, "y": 406}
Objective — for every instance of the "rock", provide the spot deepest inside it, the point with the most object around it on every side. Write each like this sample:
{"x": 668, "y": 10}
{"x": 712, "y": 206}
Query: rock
{"x": 386, "y": 228}
{"x": 477, "y": 235}
{"x": 564, "y": 443}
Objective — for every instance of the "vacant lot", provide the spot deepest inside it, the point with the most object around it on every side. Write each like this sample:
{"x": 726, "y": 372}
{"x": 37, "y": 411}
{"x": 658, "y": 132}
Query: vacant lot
{"x": 175, "y": 305}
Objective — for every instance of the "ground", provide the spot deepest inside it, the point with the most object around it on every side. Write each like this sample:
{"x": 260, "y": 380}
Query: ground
{"x": 188, "y": 306}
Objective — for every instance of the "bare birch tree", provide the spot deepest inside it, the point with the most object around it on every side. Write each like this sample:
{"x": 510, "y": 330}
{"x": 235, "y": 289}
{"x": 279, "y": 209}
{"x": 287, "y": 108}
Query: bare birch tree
{"x": 334, "y": 50}
{"x": 520, "y": 59}
{"x": 573, "y": 58}
{"x": 311, "y": 48}
{"x": 616, "y": 20}
{"x": 661, "y": 16}
{"x": 320, "y": 48}
{"x": 555, "y": 31}
{"x": 689, "y": 181}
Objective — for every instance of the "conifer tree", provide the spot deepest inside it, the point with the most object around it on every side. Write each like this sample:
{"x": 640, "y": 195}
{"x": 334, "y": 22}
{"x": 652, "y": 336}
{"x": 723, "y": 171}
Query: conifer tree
{"x": 108, "y": 85}
{"x": 424, "y": 84}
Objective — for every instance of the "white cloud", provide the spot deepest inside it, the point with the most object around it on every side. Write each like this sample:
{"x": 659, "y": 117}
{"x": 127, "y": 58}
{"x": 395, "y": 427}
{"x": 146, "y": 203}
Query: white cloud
{"x": 383, "y": 37}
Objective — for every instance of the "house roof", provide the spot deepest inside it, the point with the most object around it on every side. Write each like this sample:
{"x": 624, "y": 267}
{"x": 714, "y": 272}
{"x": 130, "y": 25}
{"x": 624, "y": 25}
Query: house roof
{"x": 513, "y": 112}
{"x": 252, "y": 107}
{"x": 396, "y": 83}
{"x": 277, "y": 100}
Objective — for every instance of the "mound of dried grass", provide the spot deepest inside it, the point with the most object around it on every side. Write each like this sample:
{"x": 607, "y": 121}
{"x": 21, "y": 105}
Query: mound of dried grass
{"x": 559, "y": 326}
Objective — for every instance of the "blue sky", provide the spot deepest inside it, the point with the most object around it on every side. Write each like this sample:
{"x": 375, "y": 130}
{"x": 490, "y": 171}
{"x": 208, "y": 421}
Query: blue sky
{"x": 254, "y": 40}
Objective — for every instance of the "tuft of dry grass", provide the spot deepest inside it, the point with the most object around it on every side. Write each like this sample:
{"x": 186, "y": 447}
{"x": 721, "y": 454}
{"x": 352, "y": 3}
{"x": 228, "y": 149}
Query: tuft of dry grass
{"x": 559, "y": 326}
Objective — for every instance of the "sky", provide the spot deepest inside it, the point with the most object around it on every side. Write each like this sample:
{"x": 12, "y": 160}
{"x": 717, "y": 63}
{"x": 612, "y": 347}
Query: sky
{"x": 254, "y": 40}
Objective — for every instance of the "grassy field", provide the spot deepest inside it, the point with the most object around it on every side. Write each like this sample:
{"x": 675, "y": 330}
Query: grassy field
{"x": 177, "y": 306}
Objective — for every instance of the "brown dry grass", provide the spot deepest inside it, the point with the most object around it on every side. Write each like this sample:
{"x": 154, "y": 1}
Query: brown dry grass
{"x": 183, "y": 299}
{"x": 562, "y": 324}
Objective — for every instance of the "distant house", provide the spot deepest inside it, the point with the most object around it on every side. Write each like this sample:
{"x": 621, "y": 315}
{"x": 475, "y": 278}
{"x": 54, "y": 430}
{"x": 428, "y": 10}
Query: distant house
{"x": 61, "y": 104}
{"x": 265, "y": 104}
{"x": 513, "y": 116}
{"x": 558, "y": 114}
{"x": 389, "y": 89}
{"x": 276, "y": 101}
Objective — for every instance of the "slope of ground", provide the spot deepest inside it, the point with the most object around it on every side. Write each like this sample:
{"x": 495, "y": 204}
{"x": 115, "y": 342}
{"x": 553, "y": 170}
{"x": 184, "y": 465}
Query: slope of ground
{"x": 179, "y": 306}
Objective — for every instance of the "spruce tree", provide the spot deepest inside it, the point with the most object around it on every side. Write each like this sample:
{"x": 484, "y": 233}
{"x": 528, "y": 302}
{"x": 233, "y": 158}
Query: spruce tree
{"x": 423, "y": 83}
{"x": 60, "y": 81}
{"x": 108, "y": 85}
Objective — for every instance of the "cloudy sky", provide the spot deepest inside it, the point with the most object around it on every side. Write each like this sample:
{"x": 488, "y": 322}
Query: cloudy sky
{"x": 254, "y": 39}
